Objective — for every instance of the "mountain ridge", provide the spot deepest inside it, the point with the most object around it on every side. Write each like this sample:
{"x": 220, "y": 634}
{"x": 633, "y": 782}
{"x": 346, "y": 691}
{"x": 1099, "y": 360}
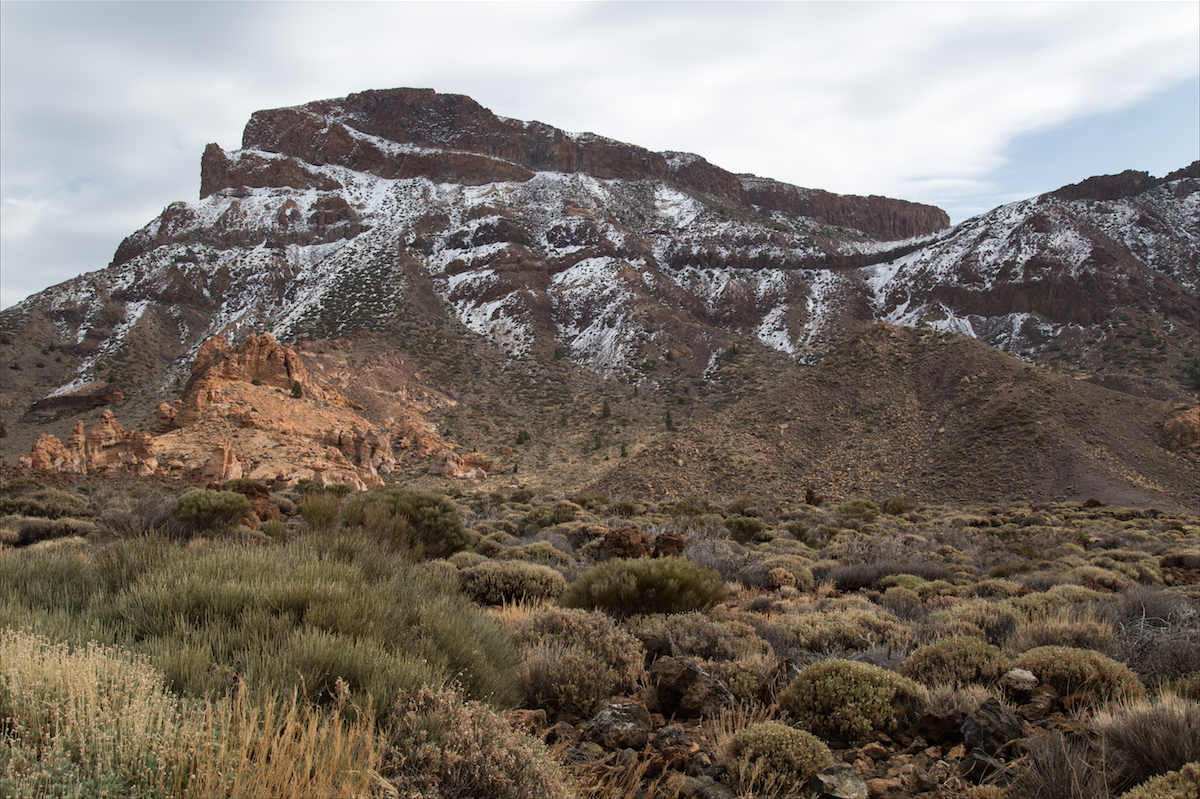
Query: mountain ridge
{"x": 336, "y": 224}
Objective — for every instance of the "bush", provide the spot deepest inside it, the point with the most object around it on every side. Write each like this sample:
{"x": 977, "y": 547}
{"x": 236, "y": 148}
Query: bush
{"x": 956, "y": 661}
{"x": 1147, "y": 739}
{"x": 844, "y": 700}
{"x": 590, "y": 630}
{"x": 1069, "y": 626}
{"x": 441, "y": 746}
{"x": 205, "y": 509}
{"x": 433, "y": 521}
{"x": 698, "y": 635}
{"x": 538, "y": 551}
{"x": 846, "y": 628}
{"x": 30, "y": 531}
{"x": 772, "y": 748}
{"x": 862, "y": 509}
{"x": 26, "y": 497}
{"x": 497, "y": 582}
{"x": 568, "y": 679}
{"x": 1181, "y": 784}
{"x": 1082, "y": 677}
{"x": 1059, "y": 767}
{"x": 645, "y": 585}
{"x": 744, "y": 528}
{"x": 321, "y": 511}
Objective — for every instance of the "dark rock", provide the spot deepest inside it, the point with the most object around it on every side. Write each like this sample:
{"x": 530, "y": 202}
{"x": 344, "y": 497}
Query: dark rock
{"x": 839, "y": 781}
{"x": 94, "y": 397}
{"x": 622, "y": 724}
{"x": 977, "y": 767}
{"x": 992, "y": 727}
{"x": 585, "y": 752}
{"x": 559, "y": 733}
{"x": 686, "y": 690}
{"x": 1040, "y": 704}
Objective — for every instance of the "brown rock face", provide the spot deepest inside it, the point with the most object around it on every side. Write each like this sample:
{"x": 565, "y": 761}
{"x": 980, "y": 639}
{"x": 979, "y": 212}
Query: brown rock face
{"x": 453, "y": 139}
{"x": 107, "y": 448}
{"x": 1182, "y": 430}
{"x": 628, "y": 542}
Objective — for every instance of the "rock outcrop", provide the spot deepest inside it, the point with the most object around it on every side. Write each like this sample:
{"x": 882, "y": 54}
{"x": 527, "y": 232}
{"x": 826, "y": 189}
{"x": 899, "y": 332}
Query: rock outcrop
{"x": 94, "y": 395}
{"x": 107, "y": 448}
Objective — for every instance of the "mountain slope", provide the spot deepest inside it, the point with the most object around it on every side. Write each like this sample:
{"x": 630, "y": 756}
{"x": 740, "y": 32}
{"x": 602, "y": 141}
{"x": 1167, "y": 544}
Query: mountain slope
{"x": 937, "y": 416}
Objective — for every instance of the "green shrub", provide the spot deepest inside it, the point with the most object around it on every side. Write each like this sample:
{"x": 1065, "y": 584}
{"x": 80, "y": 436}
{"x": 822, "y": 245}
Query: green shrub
{"x": 845, "y": 628}
{"x": 433, "y": 521}
{"x": 26, "y": 497}
{"x": 205, "y": 509}
{"x": 845, "y": 700}
{"x": 30, "y": 531}
{"x": 744, "y": 528}
{"x": 1082, "y": 677}
{"x": 956, "y": 661}
{"x": 775, "y": 748}
{"x": 569, "y": 679}
{"x": 497, "y": 582}
{"x": 590, "y": 630}
{"x": 538, "y": 551}
{"x": 321, "y": 511}
{"x": 992, "y": 621}
{"x": 645, "y": 585}
{"x": 862, "y": 509}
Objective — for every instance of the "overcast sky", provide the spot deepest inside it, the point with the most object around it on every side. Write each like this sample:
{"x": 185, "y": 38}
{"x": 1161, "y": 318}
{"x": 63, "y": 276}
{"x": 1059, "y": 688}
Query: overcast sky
{"x": 105, "y": 108}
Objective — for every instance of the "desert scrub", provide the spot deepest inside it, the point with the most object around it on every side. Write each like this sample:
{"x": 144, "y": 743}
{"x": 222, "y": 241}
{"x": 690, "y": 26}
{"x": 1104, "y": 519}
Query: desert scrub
{"x": 845, "y": 628}
{"x": 744, "y": 528}
{"x": 1181, "y": 784}
{"x": 205, "y": 509}
{"x": 645, "y": 585}
{"x": 27, "y": 497}
{"x": 318, "y": 609}
{"x": 96, "y": 720}
{"x": 1145, "y": 739}
{"x": 1073, "y": 625}
{"x": 844, "y": 700}
{"x": 700, "y": 635}
{"x": 537, "y": 552}
{"x": 1082, "y": 677}
{"x": 498, "y": 582}
{"x": 859, "y": 509}
{"x": 957, "y": 662}
{"x": 442, "y": 746}
{"x": 773, "y": 748}
{"x": 982, "y": 618}
{"x": 764, "y": 575}
{"x": 432, "y": 521}
{"x": 589, "y": 629}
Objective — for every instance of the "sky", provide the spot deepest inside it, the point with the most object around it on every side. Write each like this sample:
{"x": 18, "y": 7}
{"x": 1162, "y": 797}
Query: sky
{"x": 105, "y": 108}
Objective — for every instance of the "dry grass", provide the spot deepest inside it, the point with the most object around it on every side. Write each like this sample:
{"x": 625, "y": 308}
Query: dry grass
{"x": 98, "y": 720}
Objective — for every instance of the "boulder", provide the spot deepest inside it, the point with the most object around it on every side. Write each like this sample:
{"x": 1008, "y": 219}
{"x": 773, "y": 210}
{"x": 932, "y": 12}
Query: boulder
{"x": 685, "y": 690}
{"x": 621, "y": 724}
{"x": 627, "y": 542}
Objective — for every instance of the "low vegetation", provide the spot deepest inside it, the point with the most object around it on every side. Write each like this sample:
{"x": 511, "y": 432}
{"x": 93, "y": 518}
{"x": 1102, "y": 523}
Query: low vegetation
{"x": 158, "y": 640}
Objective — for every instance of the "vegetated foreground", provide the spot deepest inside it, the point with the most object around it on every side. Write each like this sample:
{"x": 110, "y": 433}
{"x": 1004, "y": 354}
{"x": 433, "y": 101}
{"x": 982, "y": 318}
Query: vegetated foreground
{"x": 393, "y": 643}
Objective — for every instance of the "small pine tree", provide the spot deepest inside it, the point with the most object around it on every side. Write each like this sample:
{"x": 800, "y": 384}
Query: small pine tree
{"x": 297, "y": 389}
{"x": 3, "y": 431}
{"x": 523, "y": 437}
{"x": 670, "y": 421}
{"x": 624, "y": 452}
{"x": 605, "y": 410}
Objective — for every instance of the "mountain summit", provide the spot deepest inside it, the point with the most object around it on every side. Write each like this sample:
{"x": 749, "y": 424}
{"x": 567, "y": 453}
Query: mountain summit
{"x": 424, "y": 255}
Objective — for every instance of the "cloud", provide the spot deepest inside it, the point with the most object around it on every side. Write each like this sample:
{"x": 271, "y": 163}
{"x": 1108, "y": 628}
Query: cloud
{"x": 106, "y": 107}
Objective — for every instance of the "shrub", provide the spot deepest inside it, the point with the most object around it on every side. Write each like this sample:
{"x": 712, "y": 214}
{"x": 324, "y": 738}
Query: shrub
{"x": 645, "y": 585}
{"x": 1181, "y": 784}
{"x": 569, "y": 679}
{"x": 956, "y": 661}
{"x": 856, "y": 576}
{"x": 992, "y": 621}
{"x": 744, "y": 528}
{"x": 770, "y": 747}
{"x": 1059, "y": 767}
{"x": 30, "y": 531}
{"x": 205, "y": 509}
{"x": 497, "y": 582}
{"x": 862, "y": 509}
{"x": 1069, "y": 626}
{"x": 538, "y": 551}
{"x": 433, "y": 521}
{"x": 590, "y": 630}
{"x": 27, "y": 497}
{"x": 846, "y": 701}
{"x": 442, "y": 746}
{"x": 1083, "y": 677}
{"x": 698, "y": 635}
{"x": 377, "y": 520}
{"x": 1146, "y": 739}
{"x": 321, "y": 511}
{"x": 846, "y": 628}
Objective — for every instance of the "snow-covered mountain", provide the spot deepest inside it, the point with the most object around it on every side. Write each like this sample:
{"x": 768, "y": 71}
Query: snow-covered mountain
{"x": 352, "y": 214}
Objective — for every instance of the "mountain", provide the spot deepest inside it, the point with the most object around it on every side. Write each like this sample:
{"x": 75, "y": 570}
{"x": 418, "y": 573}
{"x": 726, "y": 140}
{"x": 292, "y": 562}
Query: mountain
{"x": 425, "y": 257}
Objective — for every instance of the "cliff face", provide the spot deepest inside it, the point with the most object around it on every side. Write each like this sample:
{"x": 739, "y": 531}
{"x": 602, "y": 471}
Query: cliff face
{"x": 452, "y": 139}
